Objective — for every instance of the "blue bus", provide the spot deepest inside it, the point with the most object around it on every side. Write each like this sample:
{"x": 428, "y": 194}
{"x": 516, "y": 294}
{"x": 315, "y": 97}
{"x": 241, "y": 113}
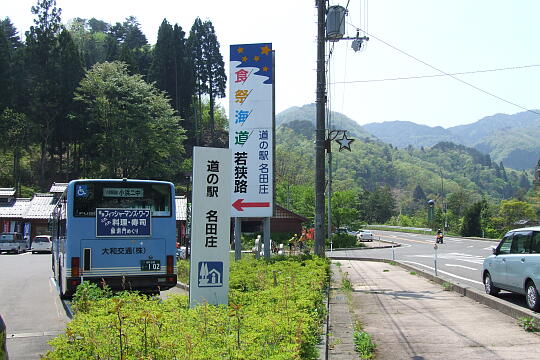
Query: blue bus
{"x": 121, "y": 233}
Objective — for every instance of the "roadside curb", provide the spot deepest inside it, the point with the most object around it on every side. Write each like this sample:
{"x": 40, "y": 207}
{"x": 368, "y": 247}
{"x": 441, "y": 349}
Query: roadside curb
{"x": 393, "y": 245}
{"x": 339, "y": 328}
{"x": 183, "y": 286}
{"x": 493, "y": 302}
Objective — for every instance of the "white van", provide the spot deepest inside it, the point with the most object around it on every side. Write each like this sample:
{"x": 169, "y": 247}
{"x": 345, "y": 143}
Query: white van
{"x": 41, "y": 243}
{"x": 514, "y": 265}
{"x": 12, "y": 242}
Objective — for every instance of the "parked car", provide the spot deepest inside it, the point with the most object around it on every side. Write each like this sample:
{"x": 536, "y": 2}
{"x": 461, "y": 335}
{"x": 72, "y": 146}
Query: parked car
{"x": 12, "y": 242}
{"x": 41, "y": 243}
{"x": 3, "y": 346}
{"x": 514, "y": 265}
{"x": 364, "y": 235}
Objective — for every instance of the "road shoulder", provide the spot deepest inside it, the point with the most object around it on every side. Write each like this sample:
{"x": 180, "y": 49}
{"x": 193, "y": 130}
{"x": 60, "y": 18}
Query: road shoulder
{"x": 411, "y": 317}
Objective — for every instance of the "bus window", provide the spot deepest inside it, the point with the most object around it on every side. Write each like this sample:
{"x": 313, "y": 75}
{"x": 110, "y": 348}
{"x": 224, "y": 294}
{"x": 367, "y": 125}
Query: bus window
{"x": 119, "y": 195}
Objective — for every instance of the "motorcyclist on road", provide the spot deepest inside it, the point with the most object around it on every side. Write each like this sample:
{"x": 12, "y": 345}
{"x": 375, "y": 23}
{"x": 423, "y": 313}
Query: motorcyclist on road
{"x": 440, "y": 236}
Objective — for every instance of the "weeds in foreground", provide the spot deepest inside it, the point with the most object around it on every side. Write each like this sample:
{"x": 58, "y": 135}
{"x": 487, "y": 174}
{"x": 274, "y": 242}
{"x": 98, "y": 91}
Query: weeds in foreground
{"x": 447, "y": 286}
{"x": 363, "y": 343}
{"x": 413, "y": 273}
{"x": 528, "y": 324}
{"x": 346, "y": 283}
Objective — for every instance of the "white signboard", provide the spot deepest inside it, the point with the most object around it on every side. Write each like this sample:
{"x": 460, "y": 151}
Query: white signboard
{"x": 251, "y": 130}
{"x": 210, "y": 229}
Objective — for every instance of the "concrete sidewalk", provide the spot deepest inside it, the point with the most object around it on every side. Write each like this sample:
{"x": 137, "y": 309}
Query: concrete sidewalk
{"x": 410, "y": 317}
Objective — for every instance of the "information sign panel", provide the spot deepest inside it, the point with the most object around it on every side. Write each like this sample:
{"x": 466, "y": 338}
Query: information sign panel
{"x": 251, "y": 129}
{"x": 210, "y": 227}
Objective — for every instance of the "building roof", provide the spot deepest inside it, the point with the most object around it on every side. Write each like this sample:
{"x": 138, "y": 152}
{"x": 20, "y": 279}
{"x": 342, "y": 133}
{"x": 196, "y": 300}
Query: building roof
{"x": 14, "y": 209}
{"x": 58, "y": 188}
{"x": 40, "y": 206}
{"x": 281, "y": 213}
{"x": 7, "y": 192}
{"x": 181, "y": 208}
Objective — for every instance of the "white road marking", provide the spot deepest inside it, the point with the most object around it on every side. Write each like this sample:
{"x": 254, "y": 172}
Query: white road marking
{"x": 474, "y": 259}
{"x": 461, "y": 266}
{"x": 444, "y": 272}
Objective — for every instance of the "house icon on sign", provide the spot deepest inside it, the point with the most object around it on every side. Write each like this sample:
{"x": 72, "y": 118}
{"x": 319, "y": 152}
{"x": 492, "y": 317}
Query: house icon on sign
{"x": 210, "y": 274}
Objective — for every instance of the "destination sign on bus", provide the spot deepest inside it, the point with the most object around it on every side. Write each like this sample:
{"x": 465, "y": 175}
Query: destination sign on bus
{"x": 123, "y": 192}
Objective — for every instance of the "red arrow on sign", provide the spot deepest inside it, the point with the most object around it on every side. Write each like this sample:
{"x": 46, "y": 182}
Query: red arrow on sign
{"x": 239, "y": 204}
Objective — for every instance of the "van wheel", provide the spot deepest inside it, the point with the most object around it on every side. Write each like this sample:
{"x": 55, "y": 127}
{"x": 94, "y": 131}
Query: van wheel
{"x": 488, "y": 285}
{"x": 533, "y": 300}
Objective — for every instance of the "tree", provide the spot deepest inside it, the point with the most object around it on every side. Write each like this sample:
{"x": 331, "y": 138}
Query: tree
{"x": 376, "y": 206}
{"x": 42, "y": 43}
{"x": 208, "y": 66}
{"x": 171, "y": 68}
{"x": 514, "y": 210}
{"x": 472, "y": 220}
{"x": 15, "y": 131}
{"x": 129, "y": 126}
{"x": 344, "y": 207}
{"x": 215, "y": 71}
{"x": 11, "y": 76}
{"x": 69, "y": 76}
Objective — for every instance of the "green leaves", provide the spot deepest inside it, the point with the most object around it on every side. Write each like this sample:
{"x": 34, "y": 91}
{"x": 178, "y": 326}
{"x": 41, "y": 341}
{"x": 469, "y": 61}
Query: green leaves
{"x": 129, "y": 125}
{"x": 263, "y": 320}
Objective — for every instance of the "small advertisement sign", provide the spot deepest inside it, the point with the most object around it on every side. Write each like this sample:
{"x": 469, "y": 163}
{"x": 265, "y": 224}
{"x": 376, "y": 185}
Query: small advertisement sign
{"x": 123, "y": 223}
{"x": 210, "y": 227}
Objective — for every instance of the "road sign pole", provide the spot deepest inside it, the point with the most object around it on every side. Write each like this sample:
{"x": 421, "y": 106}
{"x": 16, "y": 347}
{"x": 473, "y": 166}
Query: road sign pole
{"x": 266, "y": 237}
{"x": 435, "y": 247}
{"x": 237, "y": 238}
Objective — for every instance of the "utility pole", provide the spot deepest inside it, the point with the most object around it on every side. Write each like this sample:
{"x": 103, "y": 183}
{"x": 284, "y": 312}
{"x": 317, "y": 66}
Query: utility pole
{"x": 320, "y": 131}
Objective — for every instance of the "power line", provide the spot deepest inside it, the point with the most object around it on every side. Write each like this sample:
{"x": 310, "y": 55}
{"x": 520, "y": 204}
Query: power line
{"x": 438, "y": 75}
{"x": 453, "y": 76}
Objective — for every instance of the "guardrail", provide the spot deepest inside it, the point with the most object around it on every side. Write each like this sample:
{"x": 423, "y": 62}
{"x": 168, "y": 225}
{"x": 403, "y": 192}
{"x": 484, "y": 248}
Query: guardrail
{"x": 399, "y": 227}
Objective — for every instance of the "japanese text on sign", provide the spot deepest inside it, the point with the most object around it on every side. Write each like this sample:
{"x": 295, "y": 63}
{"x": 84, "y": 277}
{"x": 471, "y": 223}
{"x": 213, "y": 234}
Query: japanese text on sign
{"x": 123, "y": 222}
{"x": 212, "y": 179}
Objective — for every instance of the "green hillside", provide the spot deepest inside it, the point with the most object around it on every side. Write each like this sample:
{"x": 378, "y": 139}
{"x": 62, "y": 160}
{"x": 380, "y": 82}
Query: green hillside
{"x": 371, "y": 164}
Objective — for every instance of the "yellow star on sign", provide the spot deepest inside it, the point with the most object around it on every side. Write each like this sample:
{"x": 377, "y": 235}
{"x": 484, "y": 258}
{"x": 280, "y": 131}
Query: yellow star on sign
{"x": 240, "y": 50}
{"x": 244, "y": 58}
{"x": 265, "y": 50}
{"x": 257, "y": 58}
{"x": 265, "y": 68}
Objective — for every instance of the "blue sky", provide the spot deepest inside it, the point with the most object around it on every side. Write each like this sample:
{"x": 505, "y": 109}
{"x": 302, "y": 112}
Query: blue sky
{"x": 453, "y": 36}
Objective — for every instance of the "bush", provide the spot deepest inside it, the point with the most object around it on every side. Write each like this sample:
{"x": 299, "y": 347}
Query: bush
{"x": 275, "y": 311}
{"x": 342, "y": 241}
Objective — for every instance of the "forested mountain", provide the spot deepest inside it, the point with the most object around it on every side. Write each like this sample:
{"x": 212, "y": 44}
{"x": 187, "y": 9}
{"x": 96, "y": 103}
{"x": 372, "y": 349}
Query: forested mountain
{"x": 307, "y": 113}
{"x": 405, "y": 133}
{"x": 512, "y": 139}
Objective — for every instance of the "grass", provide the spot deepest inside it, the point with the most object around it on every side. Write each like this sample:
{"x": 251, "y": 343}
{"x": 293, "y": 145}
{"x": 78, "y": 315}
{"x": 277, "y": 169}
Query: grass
{"x": 346, "y": 283}
{"x": 528, "y": 323}
{"x": 363, "y": 343}
{"x": 447, "y": 286}
{"x": 413, "y": 273}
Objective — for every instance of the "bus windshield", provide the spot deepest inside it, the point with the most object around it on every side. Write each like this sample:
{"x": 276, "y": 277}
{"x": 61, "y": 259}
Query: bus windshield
{"x": 90, "y": 196}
